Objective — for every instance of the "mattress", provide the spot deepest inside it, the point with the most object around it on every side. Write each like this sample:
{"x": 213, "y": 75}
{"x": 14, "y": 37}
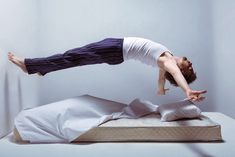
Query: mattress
{"x": 150, "y": 128}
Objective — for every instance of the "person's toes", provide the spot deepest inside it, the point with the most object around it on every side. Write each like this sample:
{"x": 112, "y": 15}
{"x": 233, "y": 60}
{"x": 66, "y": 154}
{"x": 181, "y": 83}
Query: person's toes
{"x": 10, "y": 54}
{"x": 11, "y": 59}
{"x": 16, "y": 60}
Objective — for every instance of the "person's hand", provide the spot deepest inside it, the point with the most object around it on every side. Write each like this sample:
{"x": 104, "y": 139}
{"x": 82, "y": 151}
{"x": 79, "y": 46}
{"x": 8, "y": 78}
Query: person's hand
{"x": 194, "y": 95}
{"x": 162, "y": 91}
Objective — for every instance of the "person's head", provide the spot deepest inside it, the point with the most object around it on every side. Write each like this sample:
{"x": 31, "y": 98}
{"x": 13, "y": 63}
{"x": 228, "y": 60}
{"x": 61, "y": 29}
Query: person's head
{"x": 186, "y": 69}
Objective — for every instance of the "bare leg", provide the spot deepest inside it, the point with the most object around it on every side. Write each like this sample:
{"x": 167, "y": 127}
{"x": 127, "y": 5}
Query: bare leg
{"x": 17, "y": 61}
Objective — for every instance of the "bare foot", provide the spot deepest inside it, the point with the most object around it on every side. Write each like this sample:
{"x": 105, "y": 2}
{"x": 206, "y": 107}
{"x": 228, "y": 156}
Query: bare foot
{"x": 17, "y": 61}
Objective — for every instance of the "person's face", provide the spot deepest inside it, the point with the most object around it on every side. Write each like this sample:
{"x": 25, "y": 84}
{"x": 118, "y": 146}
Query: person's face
{"x": 185, "y": 63}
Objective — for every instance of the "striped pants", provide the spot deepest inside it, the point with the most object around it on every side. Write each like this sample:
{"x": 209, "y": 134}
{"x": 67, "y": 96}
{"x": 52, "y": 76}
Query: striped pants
{"x": 107, "y": 51}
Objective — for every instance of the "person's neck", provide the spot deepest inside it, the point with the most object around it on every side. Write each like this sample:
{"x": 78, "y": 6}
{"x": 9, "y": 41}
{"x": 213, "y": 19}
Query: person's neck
{"x": 177, "y": 60}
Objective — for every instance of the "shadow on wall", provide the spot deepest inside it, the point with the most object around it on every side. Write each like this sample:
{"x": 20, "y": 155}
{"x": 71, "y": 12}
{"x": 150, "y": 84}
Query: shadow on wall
{"x": 11, "y": 97}
{"x": 6, "y": 105}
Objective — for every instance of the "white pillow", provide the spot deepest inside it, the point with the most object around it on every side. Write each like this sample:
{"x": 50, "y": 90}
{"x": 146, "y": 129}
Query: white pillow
{"x": 178, "y": 110}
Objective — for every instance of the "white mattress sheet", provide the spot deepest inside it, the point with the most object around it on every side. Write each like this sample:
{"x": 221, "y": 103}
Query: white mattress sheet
{"x": 138, "y": 149}
{"x": 65, "y": 120}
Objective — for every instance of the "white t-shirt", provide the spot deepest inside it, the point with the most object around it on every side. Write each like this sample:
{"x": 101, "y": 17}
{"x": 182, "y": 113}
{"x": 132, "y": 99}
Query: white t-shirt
{"x": 143, "y": 50}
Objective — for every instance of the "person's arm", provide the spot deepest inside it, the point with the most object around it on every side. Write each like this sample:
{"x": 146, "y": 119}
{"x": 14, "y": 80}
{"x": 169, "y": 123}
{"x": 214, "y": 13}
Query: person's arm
{"x": 174, "y": 70}
{"x": 161, "y": 83}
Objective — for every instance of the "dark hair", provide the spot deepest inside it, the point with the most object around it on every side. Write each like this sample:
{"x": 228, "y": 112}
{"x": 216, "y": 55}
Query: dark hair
{"x": 189, "y": 76}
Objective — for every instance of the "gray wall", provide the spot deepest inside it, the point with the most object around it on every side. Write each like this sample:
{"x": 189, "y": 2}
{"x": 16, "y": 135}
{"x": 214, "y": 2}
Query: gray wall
{"x": 18, "y": 33}
{"x": 224, "y": 55}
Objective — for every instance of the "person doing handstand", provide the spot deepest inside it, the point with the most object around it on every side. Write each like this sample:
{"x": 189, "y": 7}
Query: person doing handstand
{"x": 177, "y": 70}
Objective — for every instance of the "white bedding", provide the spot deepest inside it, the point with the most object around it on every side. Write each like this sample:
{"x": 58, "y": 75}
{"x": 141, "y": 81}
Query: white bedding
{"x": 66, "y": 120}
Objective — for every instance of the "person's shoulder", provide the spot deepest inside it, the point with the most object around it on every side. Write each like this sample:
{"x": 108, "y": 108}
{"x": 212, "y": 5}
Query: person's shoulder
{"x": 168, "y": 54}
{"x": 166, "y": 58}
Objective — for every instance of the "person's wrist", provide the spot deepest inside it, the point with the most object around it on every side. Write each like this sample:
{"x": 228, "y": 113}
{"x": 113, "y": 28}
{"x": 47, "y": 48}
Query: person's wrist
{"x": 160, "y": 86}
{"x": 161, "y": 90}
{"x": 187, "y": 90}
